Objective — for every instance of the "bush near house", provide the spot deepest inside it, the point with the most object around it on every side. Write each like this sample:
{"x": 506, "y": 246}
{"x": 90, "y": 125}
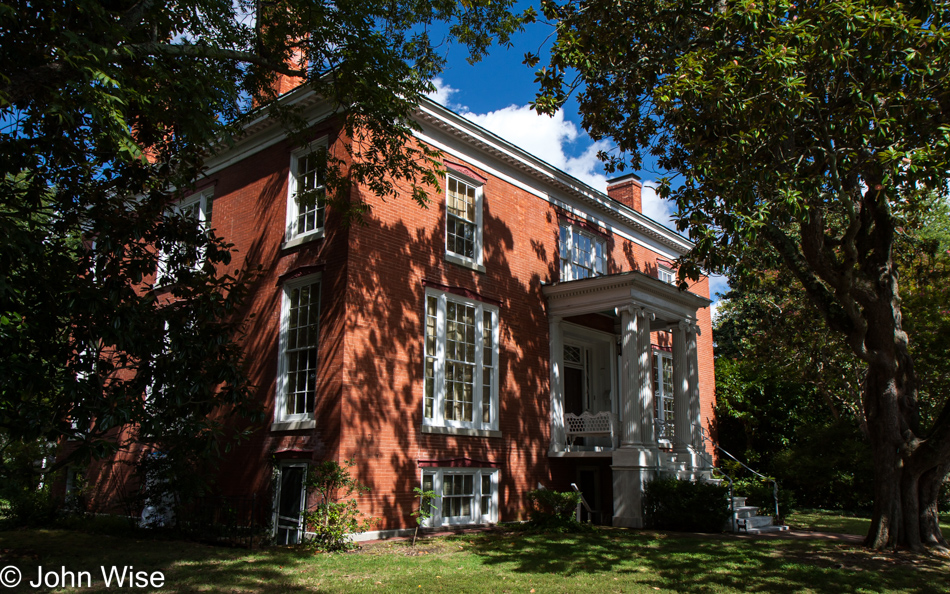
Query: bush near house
{"x": 685, "y": 506}
{"x": 554, "y": 511}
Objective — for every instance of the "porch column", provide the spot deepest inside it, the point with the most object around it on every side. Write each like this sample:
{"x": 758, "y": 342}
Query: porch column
{"x": 634, "y": 463}
{"x": 682, "y": 435}
{"x": 630, "y": 411}
{"x": 695, "y": 416}
{"x": 556, "y": 339}
{"x": 645, "y": 355}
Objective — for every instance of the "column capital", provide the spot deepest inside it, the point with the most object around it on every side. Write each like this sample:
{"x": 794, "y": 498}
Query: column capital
{"x": 629, "y": 308}
{"x": 690, "y": 326}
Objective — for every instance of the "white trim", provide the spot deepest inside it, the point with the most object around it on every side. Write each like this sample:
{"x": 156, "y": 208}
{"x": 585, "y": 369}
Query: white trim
{"x": 204, "y": 199}
{"x": 280, "y": 400}
{"x": 303, "y": 496}
{"x": 438, "y": 389}
{"x": 291, "y": 236}
{"x": 474, "y": 262}
{"x": 573, "y": 231}
{"x": 476, "y": 516}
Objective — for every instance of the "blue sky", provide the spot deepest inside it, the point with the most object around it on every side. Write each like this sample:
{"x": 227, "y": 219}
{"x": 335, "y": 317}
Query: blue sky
{"x": 496, "y": 92}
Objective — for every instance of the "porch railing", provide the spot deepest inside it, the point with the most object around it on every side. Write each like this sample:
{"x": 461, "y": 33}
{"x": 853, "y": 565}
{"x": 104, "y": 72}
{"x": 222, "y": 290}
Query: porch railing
{"x": 602, "y": 424}
{"x": 706, "y": 438}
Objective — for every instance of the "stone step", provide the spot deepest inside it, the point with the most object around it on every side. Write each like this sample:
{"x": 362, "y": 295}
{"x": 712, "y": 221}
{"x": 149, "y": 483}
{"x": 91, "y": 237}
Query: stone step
{"x": 738, "y": 502}
{"x": 746, "y": 511}
{"x": 755, "y": 522}
{"x": 766, "y": 529}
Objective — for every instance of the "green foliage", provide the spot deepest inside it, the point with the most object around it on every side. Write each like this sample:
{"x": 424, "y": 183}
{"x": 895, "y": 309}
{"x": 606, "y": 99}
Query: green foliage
{"x": 424, "y": 512}
{"x": 554, "y": 510}
{"x": 24, "y": 486}
{"x": 828, "y": 467}
{"x": 685, "y": 506}
{"x": 108, "y": 112}
{"x": 336, "y": 516}
{"x": 761, "y": 493}
{"x": 811, "y": 133}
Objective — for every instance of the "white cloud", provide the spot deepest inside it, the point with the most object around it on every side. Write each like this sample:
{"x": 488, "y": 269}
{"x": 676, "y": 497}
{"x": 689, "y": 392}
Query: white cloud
{"x": 655, "y": 207}
{"x": 547, "y": 138}
{"x": 443, "y": 95}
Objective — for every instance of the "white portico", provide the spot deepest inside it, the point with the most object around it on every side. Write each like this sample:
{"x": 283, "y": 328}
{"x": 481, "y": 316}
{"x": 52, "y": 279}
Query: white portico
{"x": 620, "y": 389}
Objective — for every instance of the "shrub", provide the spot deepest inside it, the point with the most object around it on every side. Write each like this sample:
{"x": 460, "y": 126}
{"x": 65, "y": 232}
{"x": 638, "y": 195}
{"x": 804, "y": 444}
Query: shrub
{"x": 760, "y": 494}
{"x": 336, "y": 516}
{"x": 672, "y": 504}
{"x": 554, "y": 510}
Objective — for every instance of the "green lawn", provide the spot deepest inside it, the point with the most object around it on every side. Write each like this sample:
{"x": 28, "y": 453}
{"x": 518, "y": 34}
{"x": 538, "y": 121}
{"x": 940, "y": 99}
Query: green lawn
{"x": 827, "y": 521}
{"x": 607, "y": 560}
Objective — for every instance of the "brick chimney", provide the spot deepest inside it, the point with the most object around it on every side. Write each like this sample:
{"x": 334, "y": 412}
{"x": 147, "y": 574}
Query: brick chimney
{"x": 285, "y": 83}
{"x": 626, "y": 190}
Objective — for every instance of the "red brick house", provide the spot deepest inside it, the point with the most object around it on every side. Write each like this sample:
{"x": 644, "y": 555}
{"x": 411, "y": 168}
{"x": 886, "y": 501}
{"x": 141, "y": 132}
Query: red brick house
{"x": 520, "y": 331}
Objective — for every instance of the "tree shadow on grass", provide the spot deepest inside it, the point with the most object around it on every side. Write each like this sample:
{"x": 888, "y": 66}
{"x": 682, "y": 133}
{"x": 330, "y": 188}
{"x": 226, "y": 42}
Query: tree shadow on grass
{"x": 187, "y": 567}
{"x": 702, "y": 563}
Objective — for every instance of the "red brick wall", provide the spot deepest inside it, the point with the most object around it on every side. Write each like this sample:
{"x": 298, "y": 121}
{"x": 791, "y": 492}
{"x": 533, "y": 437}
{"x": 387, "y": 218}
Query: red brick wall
{"x": 369, "y": 397}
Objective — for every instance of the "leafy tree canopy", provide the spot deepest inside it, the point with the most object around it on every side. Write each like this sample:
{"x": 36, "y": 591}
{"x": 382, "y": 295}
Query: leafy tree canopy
{"x": 108, "y": 109}
{"x": 815, "y": 129}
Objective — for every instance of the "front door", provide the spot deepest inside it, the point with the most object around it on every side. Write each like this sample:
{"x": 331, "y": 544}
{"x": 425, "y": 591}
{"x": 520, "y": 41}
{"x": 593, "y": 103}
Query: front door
{"x": 290, "y": 503}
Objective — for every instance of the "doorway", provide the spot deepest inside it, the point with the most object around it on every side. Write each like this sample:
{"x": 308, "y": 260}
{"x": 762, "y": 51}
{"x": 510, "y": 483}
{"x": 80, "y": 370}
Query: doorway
{"x": 290, "y": 503}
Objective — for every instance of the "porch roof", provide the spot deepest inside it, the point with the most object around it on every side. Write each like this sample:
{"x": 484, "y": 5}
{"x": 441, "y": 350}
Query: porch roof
{"x": 602, "y": 294}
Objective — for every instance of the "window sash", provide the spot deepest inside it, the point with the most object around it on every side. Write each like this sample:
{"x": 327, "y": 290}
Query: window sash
{"x": 306, "y": 201}
{"x": 663, "y": 382}
{"x": 463, "y": 495}
{"x": 460, "y": 362}
{"x": 463, "y": 219}
{"x": 197, "y": 206}
{"x": 299, "y": 347}
{"x": 582, "y": 254}
{"x": 665, "y": 274}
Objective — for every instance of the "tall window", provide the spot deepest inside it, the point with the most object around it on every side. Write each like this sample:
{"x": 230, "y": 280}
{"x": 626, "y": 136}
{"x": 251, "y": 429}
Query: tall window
{"x": 583, "y": 254}
{"x": 197, "y": 208}
{"x": 461, "y": 362}
{"x": 663, "y": 391}
{"x": 463, "y": 495}
{"x": 463, "y": 227}
{"x": 306, "y": 200}
{"x": 297, "y": 379}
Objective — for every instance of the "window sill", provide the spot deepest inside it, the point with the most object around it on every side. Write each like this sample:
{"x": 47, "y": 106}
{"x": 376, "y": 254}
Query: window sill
{"x": 462, "y": 431}
{"x": 464, "y": 262}
{"x": 293, "y": 425}
{"x": 302, "y": 239}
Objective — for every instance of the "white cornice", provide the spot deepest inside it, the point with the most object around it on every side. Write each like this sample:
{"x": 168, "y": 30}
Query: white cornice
{"x": 452, "y": 123}
{"x": 263, "y": 131}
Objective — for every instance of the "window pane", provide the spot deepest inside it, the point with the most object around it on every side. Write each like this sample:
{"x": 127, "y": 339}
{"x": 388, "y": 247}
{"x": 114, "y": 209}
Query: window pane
{"x": 310, "y": 194}
{"x": 300, "y": 355}
{"x": 582, "y": 255}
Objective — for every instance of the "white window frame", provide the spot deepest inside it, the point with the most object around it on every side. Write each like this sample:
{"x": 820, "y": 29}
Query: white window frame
{"x": 665, "y": 274}
{"x": 292, "y": 237}
{"x": 438, "y": 406}
{"x": 283, "y": 370}
{"x": 476, "y": 517}
{"x": 476, "y": 262}
{"x": 659, "y": 391}
{"x": 566, "y": 234}
{"x": 204, "y": 199}
{"x": 302, "y": 534}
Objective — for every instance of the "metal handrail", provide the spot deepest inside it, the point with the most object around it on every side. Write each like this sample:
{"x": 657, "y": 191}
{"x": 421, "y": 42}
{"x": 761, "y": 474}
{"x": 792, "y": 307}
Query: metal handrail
{"x": 590, "y": 512}
{"x": 702, "y": 433}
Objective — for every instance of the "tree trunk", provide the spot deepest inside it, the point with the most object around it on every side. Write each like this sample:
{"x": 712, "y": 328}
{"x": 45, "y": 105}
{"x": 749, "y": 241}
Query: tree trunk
{"x": 908, "y": 470}
{"x": 929, "y": 520}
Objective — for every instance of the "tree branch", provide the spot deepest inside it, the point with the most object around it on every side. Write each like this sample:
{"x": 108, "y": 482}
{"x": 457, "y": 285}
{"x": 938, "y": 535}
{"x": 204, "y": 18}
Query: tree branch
{"x": 200, "y": 51}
